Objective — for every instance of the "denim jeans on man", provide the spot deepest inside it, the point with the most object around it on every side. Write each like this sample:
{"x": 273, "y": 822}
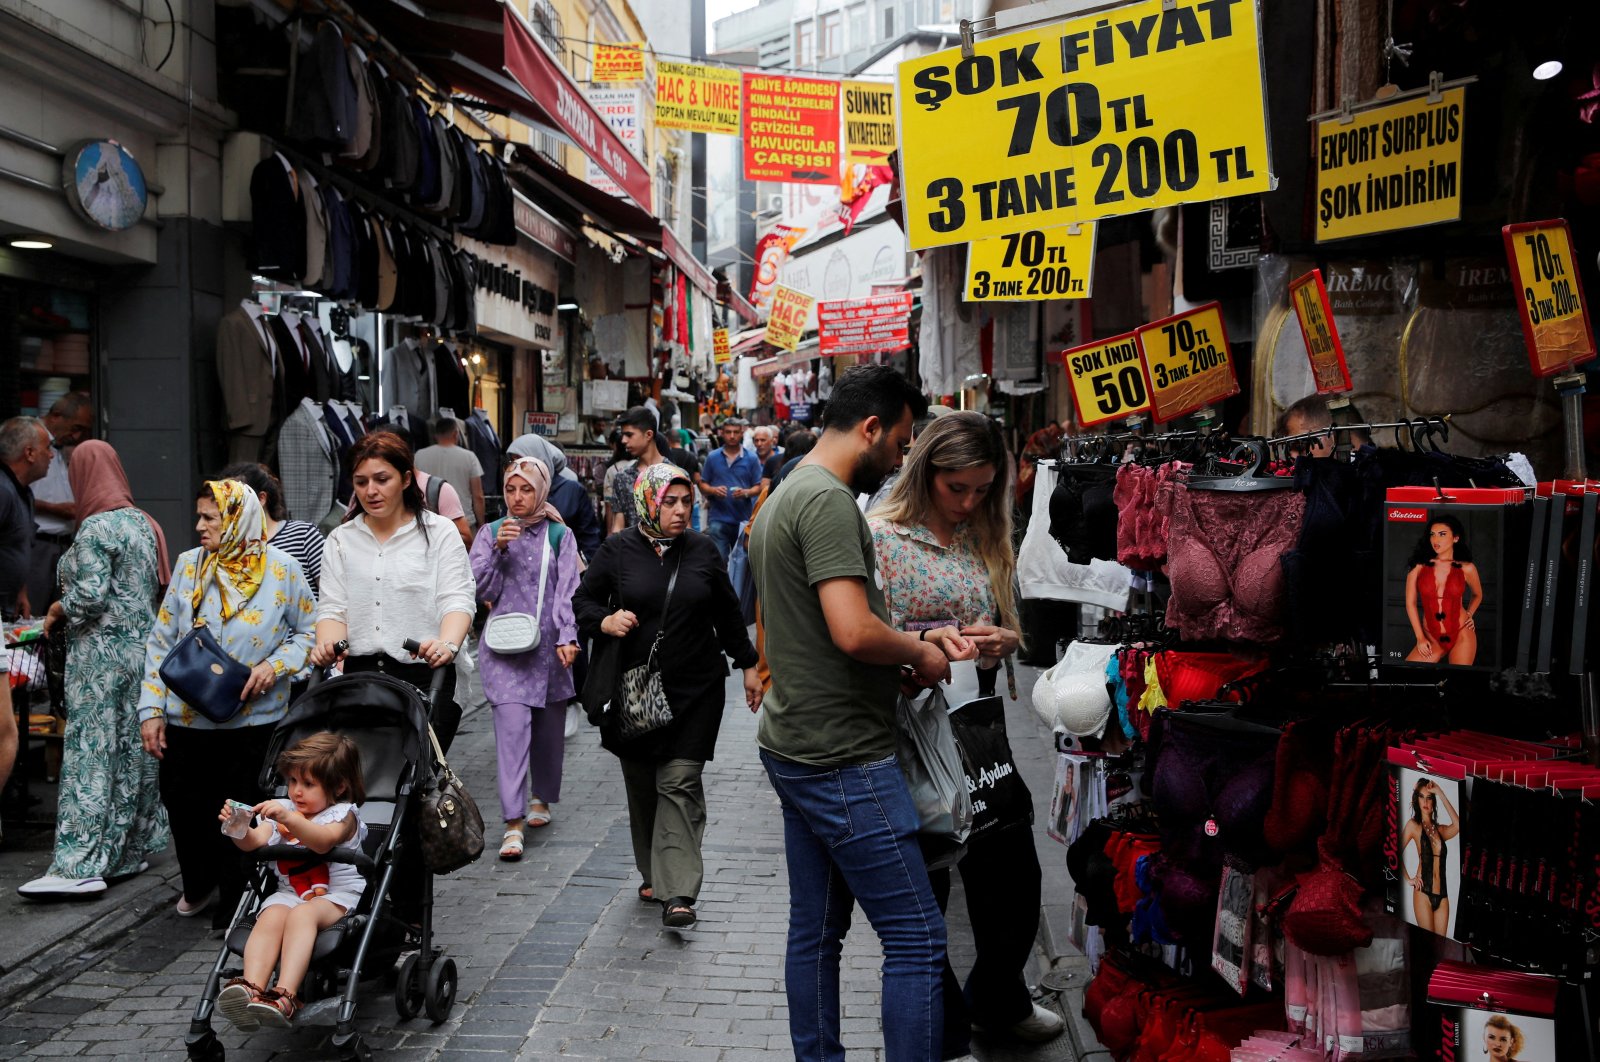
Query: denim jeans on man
{"x": 850, "y": 836}
{"x": 724, "y": 535}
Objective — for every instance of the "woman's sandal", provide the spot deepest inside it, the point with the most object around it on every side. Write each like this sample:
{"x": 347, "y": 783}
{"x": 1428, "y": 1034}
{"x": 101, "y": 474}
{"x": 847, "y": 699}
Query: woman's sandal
{"x": 233, "y": 1003}
{"x": 678, "y": 913}
{"x": 647, "y": 894}
{"x": 538, "y": 818}
{"x": 511, "y": 846}
{"x": 276, "y": 1008}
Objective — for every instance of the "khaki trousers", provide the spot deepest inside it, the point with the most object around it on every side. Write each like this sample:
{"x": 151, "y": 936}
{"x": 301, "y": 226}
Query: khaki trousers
{"x": 667, "y": 814}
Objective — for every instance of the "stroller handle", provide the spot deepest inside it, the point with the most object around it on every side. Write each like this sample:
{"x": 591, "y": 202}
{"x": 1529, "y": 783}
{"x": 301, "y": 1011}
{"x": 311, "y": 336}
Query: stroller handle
{"x": 435, "y": 688}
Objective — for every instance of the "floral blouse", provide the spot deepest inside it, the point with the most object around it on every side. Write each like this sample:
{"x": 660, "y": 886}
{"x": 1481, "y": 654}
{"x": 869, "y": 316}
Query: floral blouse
{"x": 278, "y": 626}
{"x": 924, "y": 581}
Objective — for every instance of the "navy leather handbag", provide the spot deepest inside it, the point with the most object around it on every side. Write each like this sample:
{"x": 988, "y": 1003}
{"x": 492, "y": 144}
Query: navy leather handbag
{"x": 204, "y": 676}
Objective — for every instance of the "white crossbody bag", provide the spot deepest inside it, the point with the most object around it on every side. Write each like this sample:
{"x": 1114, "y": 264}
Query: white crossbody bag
{"x": 510, "y": 633}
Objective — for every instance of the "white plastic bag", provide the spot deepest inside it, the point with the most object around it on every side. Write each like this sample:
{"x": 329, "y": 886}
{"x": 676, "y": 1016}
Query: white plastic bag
{"x": 932, "y": 765}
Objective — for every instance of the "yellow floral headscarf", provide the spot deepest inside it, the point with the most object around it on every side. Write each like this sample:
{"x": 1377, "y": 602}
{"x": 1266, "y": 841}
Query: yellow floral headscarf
{"x": 240, "y": 562}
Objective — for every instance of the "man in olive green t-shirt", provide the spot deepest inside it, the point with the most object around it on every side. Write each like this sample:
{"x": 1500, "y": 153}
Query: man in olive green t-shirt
{"x": 827, "y": 731}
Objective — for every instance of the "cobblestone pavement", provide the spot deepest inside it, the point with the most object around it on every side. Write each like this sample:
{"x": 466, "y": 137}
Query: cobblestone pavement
{"x": 557, "y": 956}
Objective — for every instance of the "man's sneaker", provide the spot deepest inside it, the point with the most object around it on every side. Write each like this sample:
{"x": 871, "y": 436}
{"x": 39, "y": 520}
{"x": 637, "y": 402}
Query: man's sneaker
{"x": 1043, "y": 1024}
{"x": 55, "y": 887}
{"x": 233, "y": 1003}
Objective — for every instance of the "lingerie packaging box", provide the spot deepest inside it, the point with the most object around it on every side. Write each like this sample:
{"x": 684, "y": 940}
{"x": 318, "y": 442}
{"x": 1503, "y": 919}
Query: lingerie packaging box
{"x": 1424, "y": 839}
{"x": 1484, "y": 533}
{"x": 1495, "y": 1015}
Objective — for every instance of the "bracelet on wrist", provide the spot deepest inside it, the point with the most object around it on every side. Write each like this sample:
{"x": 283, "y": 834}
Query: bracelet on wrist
{"x": 922, "y": 635}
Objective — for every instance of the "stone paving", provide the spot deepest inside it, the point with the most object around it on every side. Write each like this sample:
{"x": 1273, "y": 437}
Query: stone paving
{"x": 557, "y": 956}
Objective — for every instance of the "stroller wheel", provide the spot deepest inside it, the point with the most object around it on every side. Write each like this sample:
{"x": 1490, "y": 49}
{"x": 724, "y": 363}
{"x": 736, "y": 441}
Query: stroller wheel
{"x": 408, "y": 989}
{"x": 441, "y": 991}
{"x": 208, "y": 1050}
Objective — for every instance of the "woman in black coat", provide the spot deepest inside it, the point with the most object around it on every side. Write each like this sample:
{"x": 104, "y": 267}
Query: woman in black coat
{"x": 622, "y": 596}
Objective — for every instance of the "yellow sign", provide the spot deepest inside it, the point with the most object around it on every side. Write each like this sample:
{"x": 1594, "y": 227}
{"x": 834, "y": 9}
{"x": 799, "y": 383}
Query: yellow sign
{"x": 702, "y": 99}
{"x": 868, "y": 122}
{"x": 619, "y": 64}
{"x": 1037, "y": 264}
{"x": 1391, "y": 167}
{"x": 1149, "y": 105}
{"x": 1309, "y": 296}
{"x": 1187, "y": 360}
{"x": 722, "y": 353}
{"x": 787, "y": 322}
{"x": 1108, "y": 380}
{"x": 1555, "y": 321}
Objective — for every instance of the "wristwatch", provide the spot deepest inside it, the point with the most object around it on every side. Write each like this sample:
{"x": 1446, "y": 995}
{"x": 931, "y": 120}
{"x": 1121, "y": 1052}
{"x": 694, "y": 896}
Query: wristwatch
{"x": 455, "y": 650}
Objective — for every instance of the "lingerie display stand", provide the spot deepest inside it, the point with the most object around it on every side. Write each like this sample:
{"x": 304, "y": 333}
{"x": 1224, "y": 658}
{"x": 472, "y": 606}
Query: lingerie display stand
{"x": 1327, "y": 775}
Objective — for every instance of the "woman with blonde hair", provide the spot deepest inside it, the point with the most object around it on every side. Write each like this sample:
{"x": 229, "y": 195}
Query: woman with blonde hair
{"x": 943, "y": 545}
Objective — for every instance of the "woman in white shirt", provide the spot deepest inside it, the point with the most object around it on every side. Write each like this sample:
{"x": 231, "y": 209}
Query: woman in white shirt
{"x": 394, "y": 572}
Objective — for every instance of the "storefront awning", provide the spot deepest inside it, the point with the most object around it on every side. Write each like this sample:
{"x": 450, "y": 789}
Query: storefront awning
{"x": 579, "y": 195}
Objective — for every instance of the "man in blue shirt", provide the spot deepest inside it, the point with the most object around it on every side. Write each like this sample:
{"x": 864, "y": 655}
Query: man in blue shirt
{"x": 730, "y": 479}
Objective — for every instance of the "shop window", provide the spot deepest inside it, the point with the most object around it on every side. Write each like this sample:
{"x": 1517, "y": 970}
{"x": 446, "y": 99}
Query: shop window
{"x": 831, "y": 43}
{"x": 888, "y": 23}
{"x": 546, "y": 22}
{"x": 50, "y": 348}
{"x": 805, "y": 51}
{"x": 858, "y": 27}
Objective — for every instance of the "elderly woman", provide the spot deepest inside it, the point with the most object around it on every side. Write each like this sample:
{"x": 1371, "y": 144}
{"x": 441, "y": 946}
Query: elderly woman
{"x": 108, "y": 818}
{"x": 255, "y": 600}
{"x": 624, "y": 595}
{"x": 298, "y": 538}
{"x": 528, "y": 563}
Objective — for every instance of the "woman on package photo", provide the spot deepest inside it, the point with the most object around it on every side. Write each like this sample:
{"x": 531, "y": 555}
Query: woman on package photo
{"x": 1443, "y": 591}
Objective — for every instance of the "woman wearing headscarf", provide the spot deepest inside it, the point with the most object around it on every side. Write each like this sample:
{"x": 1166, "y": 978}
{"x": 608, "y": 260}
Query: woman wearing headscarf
{"x": 622, "y": 596}
{"x": 108, "y": 818}
{"x": 528, "y": 563}
{"x": 255, "y": 600}
{"x": 567, "y": 493}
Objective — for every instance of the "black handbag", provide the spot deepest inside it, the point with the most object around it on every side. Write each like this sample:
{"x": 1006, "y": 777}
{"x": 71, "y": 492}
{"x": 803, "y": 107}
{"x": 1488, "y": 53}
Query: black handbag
{"x": 449, "y": 824}
{"x": 204, "y": 676}
{"x": 600, "y": 680}
{"x": 1000, "y": 798}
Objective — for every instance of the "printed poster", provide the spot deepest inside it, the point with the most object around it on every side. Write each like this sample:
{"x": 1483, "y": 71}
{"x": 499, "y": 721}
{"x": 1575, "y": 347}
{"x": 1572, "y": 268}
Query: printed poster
{"x": 1394, "y": 166}
{"x": 787, "y": 322}
{"x": 791, "y": 129}
{"x": 869, "y": 133}
{"x": 701, "y": 99}
{"x": 619, "y": 64}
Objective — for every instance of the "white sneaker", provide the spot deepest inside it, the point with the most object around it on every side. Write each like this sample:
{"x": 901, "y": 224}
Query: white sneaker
{"x": 574, "y": 719}
{"x": 53, "y": 886}
{"x": 1043, "y": 1024}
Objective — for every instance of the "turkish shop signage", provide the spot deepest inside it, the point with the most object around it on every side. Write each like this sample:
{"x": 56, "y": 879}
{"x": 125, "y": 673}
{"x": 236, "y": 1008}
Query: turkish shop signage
{"x": 1187, "y": 361}
{"x": 868, "y": 122}
{"x": 1154, "y": 104}
{"x": 701, "y": 99}
{"x": 1309, "y": 297}
{"x": 1392, "y": 166}
{"x": 516, "y": 293}
{"x": 878, "y": 324}
{"x": 791, "y": 129}
{"x": 787, "y": 321}
{"x": 1038, "y": 264}
{"x": 1555, "y": 322}
{"x": 1107, "y": 378}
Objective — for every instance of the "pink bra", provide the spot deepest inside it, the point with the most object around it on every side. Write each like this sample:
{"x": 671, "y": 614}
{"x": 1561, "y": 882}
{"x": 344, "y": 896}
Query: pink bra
{"x": 1224, "y": 557}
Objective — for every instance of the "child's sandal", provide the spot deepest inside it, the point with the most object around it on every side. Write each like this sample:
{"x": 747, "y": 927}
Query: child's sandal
{"x": 276, "y": 1008}
{"x": 233, "y": 1003}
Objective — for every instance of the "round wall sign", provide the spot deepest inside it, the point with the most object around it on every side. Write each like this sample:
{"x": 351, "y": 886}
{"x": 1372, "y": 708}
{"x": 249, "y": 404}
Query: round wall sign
{"x": 104, "y": 184}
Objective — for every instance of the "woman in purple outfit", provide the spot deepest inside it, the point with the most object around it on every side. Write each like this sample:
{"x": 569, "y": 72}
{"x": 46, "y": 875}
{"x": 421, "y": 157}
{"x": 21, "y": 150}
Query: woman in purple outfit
{"x": 528, "y": 563}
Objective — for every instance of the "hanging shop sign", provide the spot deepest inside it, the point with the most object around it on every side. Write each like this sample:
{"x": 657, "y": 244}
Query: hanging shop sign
{"x": 1187, "y": 361}
{"x": 791, "y": 129}
{"x": 1154, "y": 104}
{"x": 543, "y": 229}
{"x": 771, "y": 252}
{"x": 787, "y": 323}
{"x": 1390, "y": 166}
{"x": 880, "y": 324}
{"x": 619, "y": 64}
{"x": 552, "y": 88}
{"x": 1037, "y": 264}
{"x": 620, "y": 107}
{"x": 546, "y": 424}
{"x": 1555, "y": 321}
{"x": 1107, "y": 377}
{"x": 1309, "y": 297}
{"x": 516, "y": 293}
{"x": 722, "y": 352}
{"x": 868, "y": 122}
{"x": 848, "y": 268}
{"x": 701, "y": 99}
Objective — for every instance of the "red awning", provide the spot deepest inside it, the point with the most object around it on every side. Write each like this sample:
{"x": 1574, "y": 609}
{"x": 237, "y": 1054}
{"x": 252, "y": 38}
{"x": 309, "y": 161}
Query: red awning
{"x": 612, "y": 212}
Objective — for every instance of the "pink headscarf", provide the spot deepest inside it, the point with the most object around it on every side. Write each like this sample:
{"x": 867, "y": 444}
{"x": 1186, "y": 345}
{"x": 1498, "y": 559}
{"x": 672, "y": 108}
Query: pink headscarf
{"x": 536, "y": 474}
{"x": 99, "y": 485}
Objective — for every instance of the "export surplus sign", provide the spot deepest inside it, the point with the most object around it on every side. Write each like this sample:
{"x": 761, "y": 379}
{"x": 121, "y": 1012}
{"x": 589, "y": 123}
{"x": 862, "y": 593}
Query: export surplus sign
{"x": 879, "y": 324}
{"x": 1187, "y": 361}
{"x": 1036, "y": 264}
{"x": 868, "y": 122}
{"x": 1153, "y": 104}
{"x": 1555, "y": 322}
{"x": 1309, "y": 297}
{"x": 1107, "y": 379}
{"x": 791, "y": 129}
{"x": 1391, "y": 167}
{"x": 787, "y": 322}
{"x": 619, "y": 64}
{"x": 701, "y": 99}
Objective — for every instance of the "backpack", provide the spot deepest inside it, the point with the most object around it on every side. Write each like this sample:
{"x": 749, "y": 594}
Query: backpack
{"x": 552, "y": 529}
{"x": 435, "y": 488}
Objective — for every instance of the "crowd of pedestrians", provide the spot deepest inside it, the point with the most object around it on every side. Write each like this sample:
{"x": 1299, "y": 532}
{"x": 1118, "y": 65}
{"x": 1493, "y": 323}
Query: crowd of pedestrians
{"x": 857, "y": 609}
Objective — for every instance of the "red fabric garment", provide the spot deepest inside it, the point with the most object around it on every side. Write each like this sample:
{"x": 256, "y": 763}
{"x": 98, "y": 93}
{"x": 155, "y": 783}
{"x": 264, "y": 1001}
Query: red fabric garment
{"x": 1441, "y": 610}
{"x": 1187, "y": 676}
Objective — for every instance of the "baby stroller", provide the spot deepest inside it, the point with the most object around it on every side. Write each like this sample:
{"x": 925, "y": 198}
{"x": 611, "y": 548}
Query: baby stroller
{"x": 388, "y": 721}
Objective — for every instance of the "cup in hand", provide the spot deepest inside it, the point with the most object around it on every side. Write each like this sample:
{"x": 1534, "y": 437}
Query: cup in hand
{"x": 238, "y": 823}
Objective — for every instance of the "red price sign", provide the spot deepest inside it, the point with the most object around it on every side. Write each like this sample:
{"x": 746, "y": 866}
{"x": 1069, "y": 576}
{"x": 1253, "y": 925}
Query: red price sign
{"x": 1555, "y": 322}
{"x": 1187, "y": 359}
{"x": 1309, "y": 297}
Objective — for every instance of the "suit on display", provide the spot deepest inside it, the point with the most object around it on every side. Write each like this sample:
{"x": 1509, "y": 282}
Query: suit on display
{"x": 247, "y": 366}
{"x": 292, "y": 358}
{"x": 454, "y": 386}
{"x": 408, "y": 379}
{"x": 307, "y": 463}
{"x": 279, "y": 218}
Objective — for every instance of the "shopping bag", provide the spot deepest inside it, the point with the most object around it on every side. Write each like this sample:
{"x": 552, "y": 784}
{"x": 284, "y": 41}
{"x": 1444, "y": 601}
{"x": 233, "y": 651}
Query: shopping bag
{"x": 1000, "y": 798}
{"x": 935, "y": 774}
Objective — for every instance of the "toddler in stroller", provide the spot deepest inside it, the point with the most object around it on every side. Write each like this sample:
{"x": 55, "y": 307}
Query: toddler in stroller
{"x": 322, "y": 909}
{"x": 322, "y": 775}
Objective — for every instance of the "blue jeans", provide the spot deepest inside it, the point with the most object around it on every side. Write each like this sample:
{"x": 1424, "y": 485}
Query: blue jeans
{"x": 850, "y": 836}
{"x": 724, "y": 535}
